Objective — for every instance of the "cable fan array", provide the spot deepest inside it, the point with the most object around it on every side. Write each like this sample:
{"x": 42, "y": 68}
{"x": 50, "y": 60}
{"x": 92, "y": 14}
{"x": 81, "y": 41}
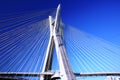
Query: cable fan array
{"x": 24, "y": 38}
{"x": 89, "y": 53}
{"x": 23, "y": 41}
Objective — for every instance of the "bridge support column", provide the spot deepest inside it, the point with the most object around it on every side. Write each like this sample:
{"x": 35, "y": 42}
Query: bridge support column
{"x": 57, "y": 40}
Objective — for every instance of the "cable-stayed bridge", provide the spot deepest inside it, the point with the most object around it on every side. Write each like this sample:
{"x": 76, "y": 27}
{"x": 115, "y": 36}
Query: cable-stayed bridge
{"x": 34, "y": 46}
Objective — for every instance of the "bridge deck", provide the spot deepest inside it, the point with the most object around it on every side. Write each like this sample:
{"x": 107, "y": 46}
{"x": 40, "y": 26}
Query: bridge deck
{"x": 99, "y": 74}
{"x": 52, "y": 73}
{"x": 24, "y": 74}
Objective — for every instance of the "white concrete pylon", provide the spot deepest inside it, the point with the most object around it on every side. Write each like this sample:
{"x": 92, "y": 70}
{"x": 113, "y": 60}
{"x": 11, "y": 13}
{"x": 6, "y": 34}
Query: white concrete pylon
{"x": 66, "y": 72}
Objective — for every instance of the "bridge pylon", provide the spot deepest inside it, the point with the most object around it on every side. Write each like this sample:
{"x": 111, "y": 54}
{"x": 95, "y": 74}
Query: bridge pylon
{"x": 56, "y": 41}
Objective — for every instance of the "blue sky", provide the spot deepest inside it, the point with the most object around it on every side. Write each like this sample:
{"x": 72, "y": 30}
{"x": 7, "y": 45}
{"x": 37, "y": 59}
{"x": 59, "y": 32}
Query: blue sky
{"x": 97, "y": 17}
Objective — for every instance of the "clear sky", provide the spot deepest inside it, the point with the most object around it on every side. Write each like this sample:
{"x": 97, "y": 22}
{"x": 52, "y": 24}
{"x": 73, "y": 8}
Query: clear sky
{"x": 97, "y": 17}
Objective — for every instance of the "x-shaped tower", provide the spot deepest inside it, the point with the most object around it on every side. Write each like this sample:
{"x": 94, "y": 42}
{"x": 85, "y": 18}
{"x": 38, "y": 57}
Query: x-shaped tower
{"x": 56, "y": 40}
